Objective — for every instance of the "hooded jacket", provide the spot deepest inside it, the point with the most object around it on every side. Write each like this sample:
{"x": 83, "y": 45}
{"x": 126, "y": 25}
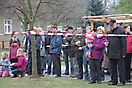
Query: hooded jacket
{"x": 13, "y": 52}
{"x": 21, "y": 64}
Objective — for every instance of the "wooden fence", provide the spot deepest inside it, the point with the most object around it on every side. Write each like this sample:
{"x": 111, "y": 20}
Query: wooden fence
{"x": 4, "y": 44}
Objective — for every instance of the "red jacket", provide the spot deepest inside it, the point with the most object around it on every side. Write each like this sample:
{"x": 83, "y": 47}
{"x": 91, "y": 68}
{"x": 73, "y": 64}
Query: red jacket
{"x": 21, "y": 64}
{"x": 129, "y": 44}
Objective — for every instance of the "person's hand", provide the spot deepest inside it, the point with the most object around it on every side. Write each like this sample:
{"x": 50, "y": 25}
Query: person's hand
{"x": 66, "y": 43}
{"x": 80, "y": 48}
{"x": 26, "y": 53}
{"x": 12, "y": 64}
{"x": 2, "y": 64}
{"x": 106, "y": 43}
{"x": 123, "y": 56}
{"x": 77, "y": 43}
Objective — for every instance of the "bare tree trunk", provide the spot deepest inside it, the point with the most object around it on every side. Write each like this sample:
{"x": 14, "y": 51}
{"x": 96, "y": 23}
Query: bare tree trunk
{"x": 25, "y": 24}
{"x": 34, "y": 60}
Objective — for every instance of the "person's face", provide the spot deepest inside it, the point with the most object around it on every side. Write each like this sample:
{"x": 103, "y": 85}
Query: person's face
{"x": 54, "y": 30}
{"x": 100, "y": 32}
{"x": 49, "y": 29}
{"x": 14, "y": 36}
{"x": 65, "y": 29}
{"x": 127, "y": 29}
{"x": 88, "y": 30}
{"x": 79, "y": 30}
{"x": 35, "y": 30}
{"x": 70, "y": 31}
{"x": 3, "y": 55}
{"x": 15, "y": 44}
{"x": 113, "y": 26}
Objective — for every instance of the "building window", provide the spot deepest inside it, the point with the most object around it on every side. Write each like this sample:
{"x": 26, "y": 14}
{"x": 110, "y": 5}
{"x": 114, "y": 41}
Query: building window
{"x": 7, "y": 26}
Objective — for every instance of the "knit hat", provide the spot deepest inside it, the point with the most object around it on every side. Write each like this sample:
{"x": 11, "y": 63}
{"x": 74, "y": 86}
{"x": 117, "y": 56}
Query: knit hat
{"x": 20, "y": 52}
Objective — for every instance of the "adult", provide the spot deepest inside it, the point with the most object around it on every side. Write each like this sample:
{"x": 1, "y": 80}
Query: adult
{"x": 127, "y": 59}
{"x": 14, "y": 38}
{"x": 42, "y": 51}
{"x": 116, "y": 54}
{"x": 48, "y": 58}
{"x": 55, "y": 50}
{"x": 78, "y": 42}
{"x": 27, "y": 50}
{"x": 38, "y": 41}
{"x": 65, "y": 51}
{"x": 68, "y": 39}
{"x": 96, "y": 56}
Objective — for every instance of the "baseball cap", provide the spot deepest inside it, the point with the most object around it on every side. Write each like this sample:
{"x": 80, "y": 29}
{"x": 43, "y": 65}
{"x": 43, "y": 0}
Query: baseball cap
{"x": 112, "y": 22}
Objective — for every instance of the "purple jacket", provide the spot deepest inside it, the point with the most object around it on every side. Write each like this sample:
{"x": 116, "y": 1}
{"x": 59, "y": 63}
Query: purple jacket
{"x": 21, "y": 64}
{"x": 98, "y": 47}
{"x": 13, "y": 52}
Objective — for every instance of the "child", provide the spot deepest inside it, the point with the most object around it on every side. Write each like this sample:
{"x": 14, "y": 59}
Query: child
{"x": 20, "y": 65}
{"x": 4, "y": 66}
{"x": 89, "y": 40}
{"x": 13, "y": 51}
{"x": 85, "y": 62}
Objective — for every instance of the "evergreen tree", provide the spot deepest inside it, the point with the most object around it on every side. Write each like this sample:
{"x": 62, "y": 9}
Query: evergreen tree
{"x": 123, "y": 7}
{"x": 96, "y": 8}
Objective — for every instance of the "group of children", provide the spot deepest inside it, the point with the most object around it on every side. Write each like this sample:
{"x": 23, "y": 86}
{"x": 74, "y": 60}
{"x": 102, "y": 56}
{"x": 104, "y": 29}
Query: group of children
{"x": 16, "y": 62}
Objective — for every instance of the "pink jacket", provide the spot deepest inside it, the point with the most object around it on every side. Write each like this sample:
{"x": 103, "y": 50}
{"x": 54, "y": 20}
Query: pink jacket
{"x": 21, "y": 64}
{"x": 129, "y": 44}
{"x": 89, "y": 37}
{"x": 13, "y": 52}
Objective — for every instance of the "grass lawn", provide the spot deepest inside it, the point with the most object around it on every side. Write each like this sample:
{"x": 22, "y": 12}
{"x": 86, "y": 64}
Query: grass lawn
{"x": 50, "y": 82}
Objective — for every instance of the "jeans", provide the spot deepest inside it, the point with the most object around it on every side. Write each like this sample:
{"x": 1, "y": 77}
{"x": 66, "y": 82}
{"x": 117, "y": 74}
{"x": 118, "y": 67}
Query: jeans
{"x": 56, "y": 63}
{"x": 65, "y": 51}
{"x": 29, "y": 63}
{"x": 66, "y": 56}
{"x": 16, "y": 72}
{"x": 43, "y": 63}
{"x": 85, "y": 63}
{"x": 79, "y": 57}
{"x": 38, "y": 62}
{"x": 49, "y": 62}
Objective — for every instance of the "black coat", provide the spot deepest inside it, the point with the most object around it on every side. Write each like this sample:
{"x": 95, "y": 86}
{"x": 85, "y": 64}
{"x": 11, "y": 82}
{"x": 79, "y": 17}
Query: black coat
{"x": 117, "y": 44}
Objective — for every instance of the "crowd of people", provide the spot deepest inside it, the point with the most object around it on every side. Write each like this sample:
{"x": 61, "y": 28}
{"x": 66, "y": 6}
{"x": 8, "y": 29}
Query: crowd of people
{"x": 80, "y": 51}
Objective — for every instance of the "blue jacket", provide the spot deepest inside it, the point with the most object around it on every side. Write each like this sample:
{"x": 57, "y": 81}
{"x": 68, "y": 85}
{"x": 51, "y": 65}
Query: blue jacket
{"x": 38, "y": 41}
{"x": 27, "y": 46}
{"x": 6, "y": 63}
{"x": 56, "y": 44}
{"x": 85, "y": 50}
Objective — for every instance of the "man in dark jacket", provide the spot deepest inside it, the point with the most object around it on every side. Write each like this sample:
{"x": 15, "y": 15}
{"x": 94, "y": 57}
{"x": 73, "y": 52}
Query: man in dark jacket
{"x": 27, "y": 49}
{"x": 78, "y": 42}
{"x": 116, "y": 54}
{"x": 48, "y": 58}
{"x": 55, "y": 50}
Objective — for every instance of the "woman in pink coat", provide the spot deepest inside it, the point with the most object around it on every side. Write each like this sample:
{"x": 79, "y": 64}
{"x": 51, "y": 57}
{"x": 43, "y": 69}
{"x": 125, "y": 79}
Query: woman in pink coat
{"x": 127, "y": 59}
{"x": 20, "y": 65}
